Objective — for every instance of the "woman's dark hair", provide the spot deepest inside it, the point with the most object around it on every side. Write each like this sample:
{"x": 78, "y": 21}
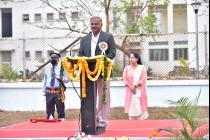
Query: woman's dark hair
{"x": 136, "y": 55}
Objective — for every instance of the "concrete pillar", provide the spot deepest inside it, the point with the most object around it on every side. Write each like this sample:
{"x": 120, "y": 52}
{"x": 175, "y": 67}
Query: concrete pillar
{"x": 170, "y": 18}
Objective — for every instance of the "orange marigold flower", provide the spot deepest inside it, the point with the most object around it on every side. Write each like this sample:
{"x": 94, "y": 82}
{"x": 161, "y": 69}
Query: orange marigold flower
{"x": 154, "y": 134}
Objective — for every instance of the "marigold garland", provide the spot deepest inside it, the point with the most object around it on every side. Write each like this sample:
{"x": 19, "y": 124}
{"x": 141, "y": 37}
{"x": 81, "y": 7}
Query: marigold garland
{"x": 97, "y": 70}
{"x": 82, "y": 67}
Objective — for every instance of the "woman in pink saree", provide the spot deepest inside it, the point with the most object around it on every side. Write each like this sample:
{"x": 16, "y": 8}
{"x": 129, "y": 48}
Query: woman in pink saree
{"x": 135, "y": 78}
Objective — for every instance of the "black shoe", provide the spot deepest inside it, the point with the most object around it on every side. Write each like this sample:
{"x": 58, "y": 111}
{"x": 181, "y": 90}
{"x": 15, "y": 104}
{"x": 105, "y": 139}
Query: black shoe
{"x": 100, "y": 130}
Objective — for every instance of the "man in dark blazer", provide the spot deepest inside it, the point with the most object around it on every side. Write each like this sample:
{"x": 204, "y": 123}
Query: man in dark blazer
{"x": 89, "y": 47}
{"x": 85, "y": 44}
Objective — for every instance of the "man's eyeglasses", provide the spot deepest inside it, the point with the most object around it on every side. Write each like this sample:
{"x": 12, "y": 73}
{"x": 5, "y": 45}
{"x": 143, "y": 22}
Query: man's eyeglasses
{"x": 94, "y": 24}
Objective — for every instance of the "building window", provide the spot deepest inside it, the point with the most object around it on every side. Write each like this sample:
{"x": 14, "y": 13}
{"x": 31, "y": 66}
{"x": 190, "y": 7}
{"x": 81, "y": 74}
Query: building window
{"x": 180, "y": 18}
{"x": 180, "y": 53}
{"x": 161, "y": 14}
{"x": 5, "y": 58}
{"x": 62, "y": 16}
{"x": 185, "y": 42}
{"x": 158, "y": 16}
{"x": 131, "y": 16}
{"x": 26, "y": 18}
{"x": 158, "y": 55}
{"x": 6, "y": 25}
{"x": 75, "y": 15}
{"x": 158, "y": 43}
{"x": 37, "y": 17}
{"x": 27, "y": 55}
{"x": 115, "y": 20}
{"x": 50, "y": 16}
{"x": 134, "y": 44}
{"x": 38, "y": 54}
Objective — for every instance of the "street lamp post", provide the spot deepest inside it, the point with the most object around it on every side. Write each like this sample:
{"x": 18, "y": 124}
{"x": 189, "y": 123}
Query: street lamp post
{"x": 196, "y": 6}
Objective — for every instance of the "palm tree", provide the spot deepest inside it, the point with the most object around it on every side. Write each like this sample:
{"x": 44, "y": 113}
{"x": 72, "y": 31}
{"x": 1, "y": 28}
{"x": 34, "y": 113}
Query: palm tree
{"x": 186, "y": 111}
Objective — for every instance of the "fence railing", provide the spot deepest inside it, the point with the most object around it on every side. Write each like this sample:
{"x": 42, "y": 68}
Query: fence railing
{"x": 160, "y": 53}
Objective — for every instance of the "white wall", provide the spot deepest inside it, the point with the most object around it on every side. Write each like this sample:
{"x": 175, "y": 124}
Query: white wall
{"x": 29, "y": 96}
{"x": 203, "y": 19}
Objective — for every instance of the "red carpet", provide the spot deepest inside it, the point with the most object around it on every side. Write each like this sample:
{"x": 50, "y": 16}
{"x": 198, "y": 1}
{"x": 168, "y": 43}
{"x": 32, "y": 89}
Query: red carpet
{"x": 115, "y": 128}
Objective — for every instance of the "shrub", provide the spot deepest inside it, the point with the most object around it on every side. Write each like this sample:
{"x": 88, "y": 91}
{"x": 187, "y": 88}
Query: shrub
{"x": 116, "y": 70}
{"x": 184, "y": 68}
{"x": 8, "y": 73}
{"x": 149, "y": 71}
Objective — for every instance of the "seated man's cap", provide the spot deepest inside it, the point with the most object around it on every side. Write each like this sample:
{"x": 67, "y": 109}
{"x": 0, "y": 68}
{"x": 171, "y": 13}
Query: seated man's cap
{"x": 55, "y": 55}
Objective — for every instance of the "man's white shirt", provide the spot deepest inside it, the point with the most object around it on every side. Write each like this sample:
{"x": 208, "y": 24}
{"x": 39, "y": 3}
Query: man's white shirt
{"x": 94, "y": 41}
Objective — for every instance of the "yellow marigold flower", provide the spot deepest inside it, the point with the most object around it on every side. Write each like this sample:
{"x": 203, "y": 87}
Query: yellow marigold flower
{"x": 154, "y": 134}
{"x": 81, "y": 67}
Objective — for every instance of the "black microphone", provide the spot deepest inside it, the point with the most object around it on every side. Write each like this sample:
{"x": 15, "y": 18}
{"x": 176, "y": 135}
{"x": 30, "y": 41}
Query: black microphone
{"x": 72, "y": 48}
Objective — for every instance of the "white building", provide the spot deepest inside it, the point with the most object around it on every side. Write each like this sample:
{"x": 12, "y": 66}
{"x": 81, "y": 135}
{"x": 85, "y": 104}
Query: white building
{"x": 18, "y": 20}
{"x": 177, "y": 38}
{"x": 19, "y": 33}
